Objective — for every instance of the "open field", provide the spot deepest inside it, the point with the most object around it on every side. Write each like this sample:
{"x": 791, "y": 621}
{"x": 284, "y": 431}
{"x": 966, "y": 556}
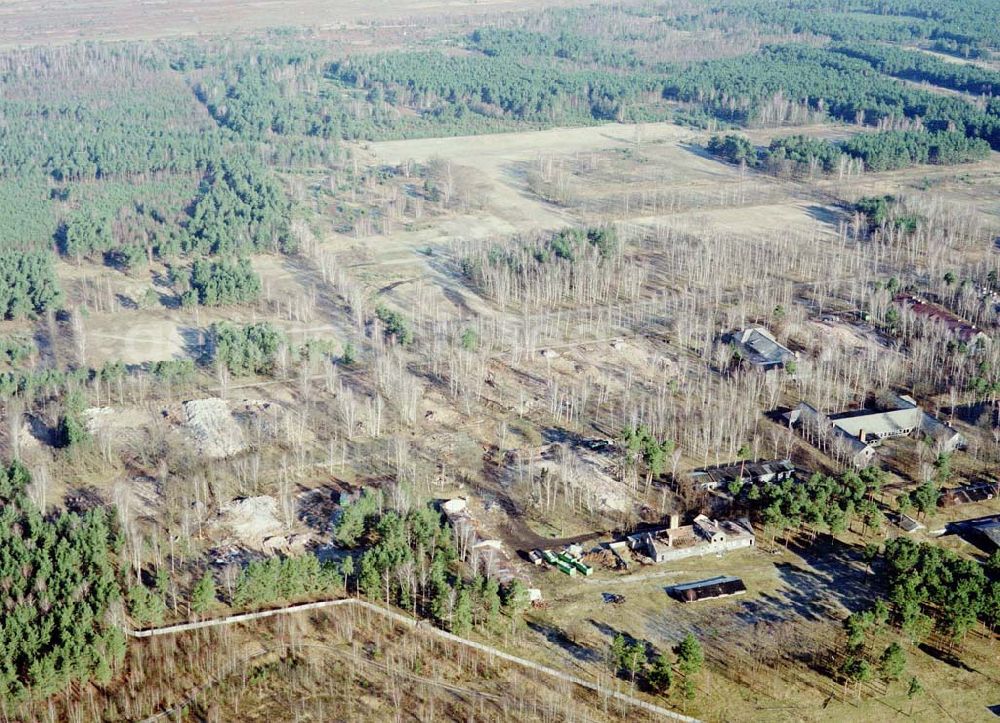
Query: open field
{"x": 34, "y": 22}
{"x": 649, "y": 178}
{"x": 751, "y": 639}
{"x": 613, "y": 154}
{"x": 499, "y": 162}
{"x": 660, "y": 181}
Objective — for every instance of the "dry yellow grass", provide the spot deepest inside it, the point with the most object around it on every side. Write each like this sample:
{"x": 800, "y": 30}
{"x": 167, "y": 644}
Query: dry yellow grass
{"x": 33, "y": 22}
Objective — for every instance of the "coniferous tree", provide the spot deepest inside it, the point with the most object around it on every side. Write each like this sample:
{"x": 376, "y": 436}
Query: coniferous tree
{"x": 203, "y": 594}
{"x": 690, "y": 659}
{"x": 660, "y": 675}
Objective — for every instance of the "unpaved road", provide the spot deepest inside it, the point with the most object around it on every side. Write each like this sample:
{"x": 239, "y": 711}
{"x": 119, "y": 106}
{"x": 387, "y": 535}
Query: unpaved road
{"x": 423, "y": 627}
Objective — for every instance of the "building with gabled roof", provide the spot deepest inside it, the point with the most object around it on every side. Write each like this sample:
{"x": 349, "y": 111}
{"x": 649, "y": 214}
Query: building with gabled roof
{"x": 908, "y": 524}
{"x": 937, "y": 314}
{"x": 713, "y": 587}
{"x": 758, "y": 346}
{"x": 968, "y": 494}
{"x": 983, "y": 532}
{"x": 990, "y": 532}
{"x": 859, "y": 432}
{"x": 703, "y": 537}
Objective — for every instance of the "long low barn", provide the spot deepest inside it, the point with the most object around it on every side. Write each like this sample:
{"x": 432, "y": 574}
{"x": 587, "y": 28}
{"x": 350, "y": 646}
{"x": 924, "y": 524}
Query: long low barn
{"x": 713, "y": 587}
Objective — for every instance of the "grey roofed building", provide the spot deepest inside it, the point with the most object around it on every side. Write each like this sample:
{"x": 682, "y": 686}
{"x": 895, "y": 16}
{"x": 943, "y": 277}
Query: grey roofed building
{"x": 859, "y": 432}
{"x": 908, "y": 524}
{"x": 946, "y": 436}
{"x": 992, "y": 533}
{"x": 983, "y": 532}
{"x": 817, "y": 425}
{"x": 868, "y": 426}
{"x": 759, "y": 347}
{"x": 760, "y": 472}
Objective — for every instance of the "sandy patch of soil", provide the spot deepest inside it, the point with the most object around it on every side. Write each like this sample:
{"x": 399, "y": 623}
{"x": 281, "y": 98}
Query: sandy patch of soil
{"x": 118, "y": 424}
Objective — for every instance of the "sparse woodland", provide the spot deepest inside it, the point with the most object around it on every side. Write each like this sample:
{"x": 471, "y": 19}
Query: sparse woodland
{"x": 264, "y": 305}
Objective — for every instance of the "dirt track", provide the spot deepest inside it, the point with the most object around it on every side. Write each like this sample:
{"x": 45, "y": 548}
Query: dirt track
{"x": 421, "y": 626}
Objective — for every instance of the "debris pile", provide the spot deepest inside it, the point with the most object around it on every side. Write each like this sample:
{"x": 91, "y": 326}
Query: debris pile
{"x": 254, "y": 521}
{"x": 481, "y": 552}
{"x": 586, "y": 467}
{"x": 212, "y": 428}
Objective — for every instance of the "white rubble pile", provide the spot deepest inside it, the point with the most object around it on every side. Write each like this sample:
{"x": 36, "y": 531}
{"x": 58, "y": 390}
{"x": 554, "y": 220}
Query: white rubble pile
{"x": 591, "y": 473}
{"x": 252, "y": 519}
{"x": 213, "y": 430}
{"x": 255, "y": 522}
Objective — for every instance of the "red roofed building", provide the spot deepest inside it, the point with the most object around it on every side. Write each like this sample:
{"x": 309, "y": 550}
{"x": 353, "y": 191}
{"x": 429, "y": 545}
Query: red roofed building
{"x": 958, "y": 326}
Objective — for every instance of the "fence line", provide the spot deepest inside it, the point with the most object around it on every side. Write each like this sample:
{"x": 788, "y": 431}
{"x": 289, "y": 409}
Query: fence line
{"x": 420, "y": 626}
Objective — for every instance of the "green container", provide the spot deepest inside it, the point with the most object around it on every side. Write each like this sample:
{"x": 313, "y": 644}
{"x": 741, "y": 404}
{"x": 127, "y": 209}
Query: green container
{"x": 549, "y": 557}
{"x": 566, "y": 558}
{"x": 566, "y": 567}
{"x": 583, "y": 567}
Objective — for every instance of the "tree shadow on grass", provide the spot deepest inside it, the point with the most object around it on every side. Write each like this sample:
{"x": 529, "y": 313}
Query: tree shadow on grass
{"x": 945, "y": 657}
{"x": 317, "y": 507}
{"x": 557, "y": 636}
{"x": 126, "y": 302}
{"x": 702, "y": 152}
{"x": 80, "y": 500}
{"x": 459, "y": 301}
{"x": 841, "y": 569}
{"x": 831, "y": 582}
{"x": 825, "y": 214}
{"x": 194, "y": 341}
{"x": 37, "y": 428}
{"x": 611, "y": 633}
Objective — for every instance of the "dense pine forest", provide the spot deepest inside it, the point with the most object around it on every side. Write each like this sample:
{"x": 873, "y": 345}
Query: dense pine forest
{"x": 60, "y": 578}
